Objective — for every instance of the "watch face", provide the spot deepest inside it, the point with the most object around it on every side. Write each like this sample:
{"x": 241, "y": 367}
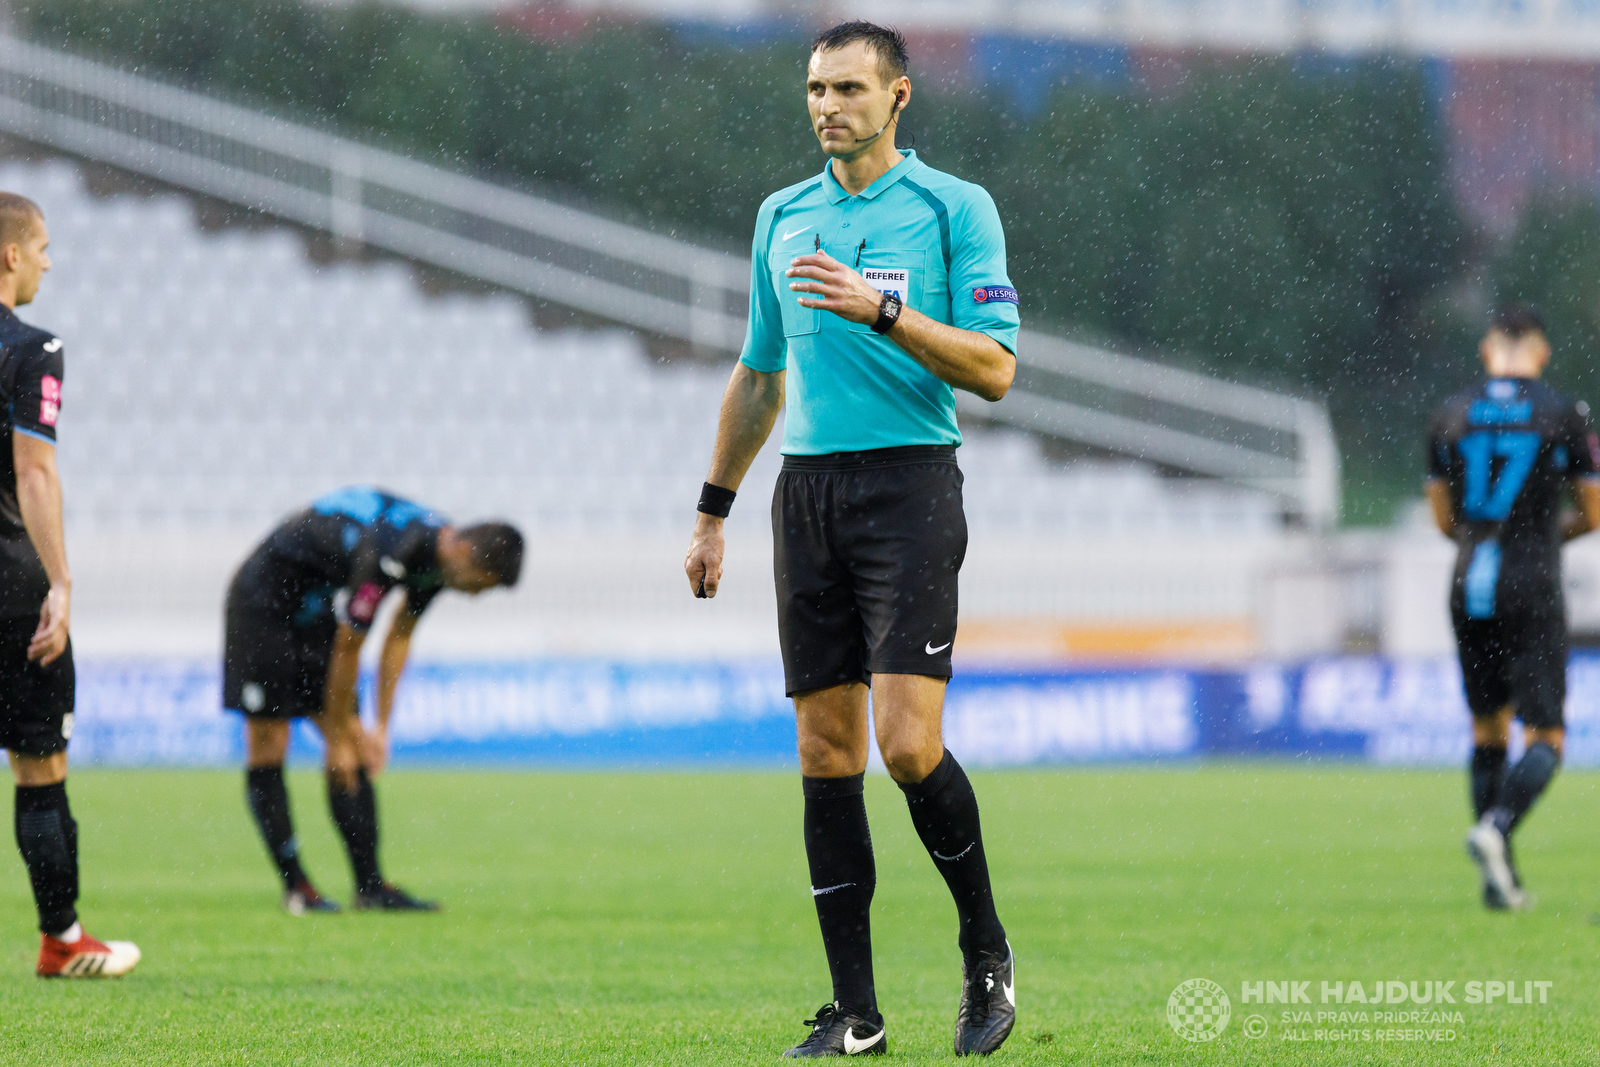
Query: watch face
{"x": 888, "y": 312}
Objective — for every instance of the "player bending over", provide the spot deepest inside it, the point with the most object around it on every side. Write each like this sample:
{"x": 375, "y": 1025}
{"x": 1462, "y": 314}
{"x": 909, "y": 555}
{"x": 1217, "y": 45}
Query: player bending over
{"x": 36, "y": 674}
{"x": 1502, "y": 455}
{"x": 297, "y": 614}
{"x": 879, "y": 287}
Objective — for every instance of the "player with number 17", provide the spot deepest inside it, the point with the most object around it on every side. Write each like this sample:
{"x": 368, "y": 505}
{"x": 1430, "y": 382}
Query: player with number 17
{"x": 1502, "y": 456}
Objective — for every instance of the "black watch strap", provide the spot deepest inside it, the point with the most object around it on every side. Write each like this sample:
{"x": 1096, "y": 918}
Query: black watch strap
{"x": 888, "y": 313}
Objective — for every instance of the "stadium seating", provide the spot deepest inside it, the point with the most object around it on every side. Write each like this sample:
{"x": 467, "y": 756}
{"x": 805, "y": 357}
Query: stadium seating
{"x": 217, "y": 381}
{"x": 223, "y": 379}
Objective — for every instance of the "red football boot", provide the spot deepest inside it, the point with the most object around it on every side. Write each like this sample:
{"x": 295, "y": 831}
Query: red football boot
{"x": 86, "y": 957}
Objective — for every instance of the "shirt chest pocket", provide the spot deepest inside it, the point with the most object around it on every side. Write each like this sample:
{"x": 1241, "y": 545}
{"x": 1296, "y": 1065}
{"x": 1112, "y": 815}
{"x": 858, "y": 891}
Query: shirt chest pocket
{"x": 892, "y": 270}
{"x": 797, "y": 320}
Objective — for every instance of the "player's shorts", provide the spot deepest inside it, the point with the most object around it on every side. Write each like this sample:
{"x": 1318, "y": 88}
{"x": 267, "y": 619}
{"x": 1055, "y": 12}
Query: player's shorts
{"x": 272, "y": 668}
{"x": 867, "y": 547}
{"x": 1516, "y": 659}
{"x": 35, "y": 701}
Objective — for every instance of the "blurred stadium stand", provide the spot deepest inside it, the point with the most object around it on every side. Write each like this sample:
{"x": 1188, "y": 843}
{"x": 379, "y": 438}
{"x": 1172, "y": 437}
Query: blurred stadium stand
{"x": 217, "y": 381}
{"x": 1517, "y": 85}
{"x": 1446, "y": 27}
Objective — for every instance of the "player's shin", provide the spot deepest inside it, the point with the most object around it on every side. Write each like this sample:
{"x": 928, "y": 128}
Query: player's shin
{"x": 1487, "y": 768}
{"x": 1523, "y": 785}
{"x": 944, "y": 809}
{"x": 843, "y": 877}
{"x": 48, "y": 839}
{"x": 355, "y": 813}
{"x": 269, "y": 804}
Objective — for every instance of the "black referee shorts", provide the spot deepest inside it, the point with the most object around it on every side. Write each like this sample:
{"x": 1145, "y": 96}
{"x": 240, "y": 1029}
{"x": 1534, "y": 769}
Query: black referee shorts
{"x": 1517, "y": 659}
{"x": 271, "y": 668}
{"x": 866, "y": 550}
{"x": 35, "y": 701}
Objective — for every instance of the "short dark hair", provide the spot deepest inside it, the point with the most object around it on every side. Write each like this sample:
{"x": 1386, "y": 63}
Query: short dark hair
{"x": 1517, "y": 321}
{"x": 496, "y": 548}
{"x": 18, "y": 217}
{"x": 889, "y": 44}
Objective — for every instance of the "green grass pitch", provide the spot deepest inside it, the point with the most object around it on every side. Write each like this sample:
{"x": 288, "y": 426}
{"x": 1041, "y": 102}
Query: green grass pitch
{"x": 664, "y": 918}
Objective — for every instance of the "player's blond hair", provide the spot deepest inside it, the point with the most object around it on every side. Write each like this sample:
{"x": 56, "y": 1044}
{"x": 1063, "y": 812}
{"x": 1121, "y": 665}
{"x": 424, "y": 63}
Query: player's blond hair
{"x": 18, "y": 218}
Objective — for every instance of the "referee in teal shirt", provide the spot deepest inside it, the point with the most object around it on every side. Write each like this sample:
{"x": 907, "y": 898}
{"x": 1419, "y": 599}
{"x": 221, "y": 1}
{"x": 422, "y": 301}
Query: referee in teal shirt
{"x": 878, "y": 288}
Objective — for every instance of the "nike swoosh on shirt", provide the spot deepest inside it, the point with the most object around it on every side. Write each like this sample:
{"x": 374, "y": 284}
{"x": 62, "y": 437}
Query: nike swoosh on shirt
{"x": 930, "y": 650}
{"x": 792, "y": 233}
{"x": 854, "y": 1045}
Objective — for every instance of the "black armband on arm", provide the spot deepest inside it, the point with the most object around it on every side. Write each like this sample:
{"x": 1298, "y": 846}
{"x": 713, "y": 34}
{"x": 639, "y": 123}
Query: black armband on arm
{"x": 715, "y": 500}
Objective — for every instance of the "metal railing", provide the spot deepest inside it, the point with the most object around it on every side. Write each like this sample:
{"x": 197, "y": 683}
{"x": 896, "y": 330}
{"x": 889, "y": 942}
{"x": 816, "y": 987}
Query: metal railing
{"x": 1176, "y": 418}
{"x": 623, "y": 273}
{"x": 370, "y": 196}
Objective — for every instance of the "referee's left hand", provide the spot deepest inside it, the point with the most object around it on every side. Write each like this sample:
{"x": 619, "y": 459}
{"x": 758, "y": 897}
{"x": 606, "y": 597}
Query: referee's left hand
{"x": 838, "y": 288}
{"x": 703, "y": 564}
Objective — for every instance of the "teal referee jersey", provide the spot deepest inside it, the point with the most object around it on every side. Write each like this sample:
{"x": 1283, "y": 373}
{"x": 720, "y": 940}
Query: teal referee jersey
{"x": 932, "y": 239}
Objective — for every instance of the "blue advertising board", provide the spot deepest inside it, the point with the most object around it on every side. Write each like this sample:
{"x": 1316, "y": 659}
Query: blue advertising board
{"x": 604, "y": 713}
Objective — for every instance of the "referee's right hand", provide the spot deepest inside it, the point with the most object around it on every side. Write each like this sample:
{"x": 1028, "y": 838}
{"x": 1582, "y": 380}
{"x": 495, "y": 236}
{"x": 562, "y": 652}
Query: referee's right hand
{"x": 703, "y": 564}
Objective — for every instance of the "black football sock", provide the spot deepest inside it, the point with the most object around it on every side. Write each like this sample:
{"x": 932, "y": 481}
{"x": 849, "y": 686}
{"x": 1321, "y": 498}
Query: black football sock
{"x": 1523, "y": 784}
{"x": 1488, "y": 764}
{"x": 356, "y": 815}
{"x": 48, "y": 839}
{"x": 843, "y": 877}
{"x": 944, "y": 810}
{"x": 269, "y": 803}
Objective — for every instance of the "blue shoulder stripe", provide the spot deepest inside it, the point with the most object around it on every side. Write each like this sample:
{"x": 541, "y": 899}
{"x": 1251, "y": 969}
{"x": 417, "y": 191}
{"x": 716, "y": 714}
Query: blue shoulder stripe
{"x": 939, "y": 212}
{"x": 362, "y": 503}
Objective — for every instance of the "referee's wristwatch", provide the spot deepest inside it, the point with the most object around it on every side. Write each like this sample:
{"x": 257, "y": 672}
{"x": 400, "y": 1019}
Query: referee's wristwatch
{"x": 888, "y": 313}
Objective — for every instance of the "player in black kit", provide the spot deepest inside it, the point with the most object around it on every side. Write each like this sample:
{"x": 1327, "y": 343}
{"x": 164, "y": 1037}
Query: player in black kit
{"x": 37, "y": 683}
{"x": 297, "y": 614}
{"x": 1503, "y": 457}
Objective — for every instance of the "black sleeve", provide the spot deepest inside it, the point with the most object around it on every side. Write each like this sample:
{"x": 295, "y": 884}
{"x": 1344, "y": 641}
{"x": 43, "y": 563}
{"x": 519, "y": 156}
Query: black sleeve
{"x": 36, "y": 401}
{"x": 374, "y": 570}
{"x": 1583, "y": 448}
{"x": 1438, "y": 450}
{"x": 417, "y": 600}
{"x": 421, "y": 553}
{"x": 387, "y": 556}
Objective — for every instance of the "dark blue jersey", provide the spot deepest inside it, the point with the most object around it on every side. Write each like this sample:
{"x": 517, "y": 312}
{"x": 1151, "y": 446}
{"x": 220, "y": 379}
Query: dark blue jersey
{"x": 31, "y": 368}
{"x": 336, "y": 560}
{"x": 1508, "y": 448}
